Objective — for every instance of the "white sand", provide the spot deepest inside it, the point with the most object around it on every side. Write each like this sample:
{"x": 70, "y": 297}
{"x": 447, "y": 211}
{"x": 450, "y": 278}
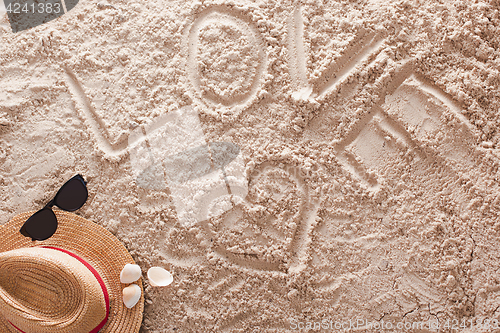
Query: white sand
{"x": 368, "y": 131}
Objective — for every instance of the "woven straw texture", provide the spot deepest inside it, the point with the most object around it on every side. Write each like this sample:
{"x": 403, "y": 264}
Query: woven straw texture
{"x": 95, "y": 245}
{"x": 52, "y": 287}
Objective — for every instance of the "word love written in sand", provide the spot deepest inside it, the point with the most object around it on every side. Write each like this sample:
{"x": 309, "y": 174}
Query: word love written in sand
{"x": 161, "y": 151}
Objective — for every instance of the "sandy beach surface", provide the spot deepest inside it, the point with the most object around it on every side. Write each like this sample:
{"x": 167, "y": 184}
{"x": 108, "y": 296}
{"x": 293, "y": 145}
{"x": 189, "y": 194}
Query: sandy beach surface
{"x": 298, "y": 166}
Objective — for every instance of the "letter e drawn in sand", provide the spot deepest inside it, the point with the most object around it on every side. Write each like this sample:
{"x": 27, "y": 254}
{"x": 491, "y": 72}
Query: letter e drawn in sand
{"x": 225, "y": 60}
{"x": 419, "y": 121}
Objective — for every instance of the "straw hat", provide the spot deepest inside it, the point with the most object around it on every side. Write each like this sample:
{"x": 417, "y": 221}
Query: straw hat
{"x": 64, "y": 283}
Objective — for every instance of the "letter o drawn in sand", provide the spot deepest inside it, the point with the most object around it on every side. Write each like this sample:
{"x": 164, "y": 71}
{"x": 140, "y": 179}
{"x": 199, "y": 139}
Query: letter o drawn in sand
{"x": 225, "y": 60}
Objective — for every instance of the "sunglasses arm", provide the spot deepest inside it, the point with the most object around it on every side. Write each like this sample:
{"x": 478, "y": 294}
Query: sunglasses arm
{"x": 50, "y": 204}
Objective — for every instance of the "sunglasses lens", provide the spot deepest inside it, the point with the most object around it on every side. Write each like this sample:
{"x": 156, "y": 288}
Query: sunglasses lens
{"x": 72, "y": 194}
{"x": 40, "y": 225}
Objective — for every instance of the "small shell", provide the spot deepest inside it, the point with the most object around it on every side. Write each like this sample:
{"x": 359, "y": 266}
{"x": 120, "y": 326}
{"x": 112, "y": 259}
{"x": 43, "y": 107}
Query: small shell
{"x": 130, "y": 273}
{"x": 131, "y": 295}
{"x": 159, "y": 277}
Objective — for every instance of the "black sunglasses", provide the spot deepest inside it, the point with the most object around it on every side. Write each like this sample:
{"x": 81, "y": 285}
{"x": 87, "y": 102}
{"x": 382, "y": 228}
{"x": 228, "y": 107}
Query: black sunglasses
{"x": 71, "y": 196}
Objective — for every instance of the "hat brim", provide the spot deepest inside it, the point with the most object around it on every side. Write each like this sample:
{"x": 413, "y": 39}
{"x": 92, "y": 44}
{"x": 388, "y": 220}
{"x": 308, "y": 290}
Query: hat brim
{"x": 99, "y": 248}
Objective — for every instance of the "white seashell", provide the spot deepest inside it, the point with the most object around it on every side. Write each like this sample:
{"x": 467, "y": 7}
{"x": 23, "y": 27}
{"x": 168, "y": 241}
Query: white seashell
{"x": 131, "y": 295}
{"x": 159, "y": 277}
{"x": 130, "y": 273}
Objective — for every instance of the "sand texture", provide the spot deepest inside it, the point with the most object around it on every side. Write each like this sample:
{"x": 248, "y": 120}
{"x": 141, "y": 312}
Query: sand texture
{"x": 361, "y": 181}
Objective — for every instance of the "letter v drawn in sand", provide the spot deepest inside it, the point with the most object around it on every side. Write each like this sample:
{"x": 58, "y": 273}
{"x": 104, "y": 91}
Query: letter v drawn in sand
{"x": 362, "y": 50}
